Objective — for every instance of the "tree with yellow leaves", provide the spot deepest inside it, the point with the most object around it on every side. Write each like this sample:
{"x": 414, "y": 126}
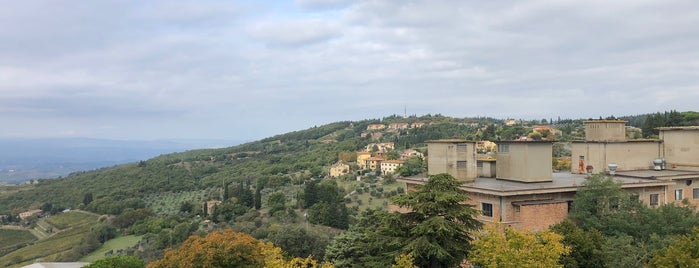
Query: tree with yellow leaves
{"x": 517, "y": 249}
{"x": 227, "y": 248}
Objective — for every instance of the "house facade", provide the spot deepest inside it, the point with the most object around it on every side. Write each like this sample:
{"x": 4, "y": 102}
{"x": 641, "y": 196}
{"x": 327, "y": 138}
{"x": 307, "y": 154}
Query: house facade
{"x": 339, "y": 169}
{"x": 390, "y": 166}
{"x": 373, "y": 163}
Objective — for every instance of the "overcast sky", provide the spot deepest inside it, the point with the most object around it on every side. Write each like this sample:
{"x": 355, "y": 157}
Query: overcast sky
{"x": 242, "y": 70}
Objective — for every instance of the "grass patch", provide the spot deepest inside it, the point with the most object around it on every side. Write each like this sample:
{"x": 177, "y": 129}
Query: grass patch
{"x": 113, "y": 245}
{"x": 70, "y": 218}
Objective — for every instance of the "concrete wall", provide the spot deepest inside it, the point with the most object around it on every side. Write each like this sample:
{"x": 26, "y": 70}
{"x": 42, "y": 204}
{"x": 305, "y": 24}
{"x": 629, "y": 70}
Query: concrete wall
{"x": 486, "y": 169}
{"x": 681, "y": 148}
{"x": 627, "y": 155}
{"x": 457, "y": 158}
{"x": 525, "y": 162}
{"x": 605, "y": 130}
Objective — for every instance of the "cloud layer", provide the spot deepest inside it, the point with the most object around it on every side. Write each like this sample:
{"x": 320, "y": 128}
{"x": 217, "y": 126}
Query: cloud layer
{"x": 246, "y": 70}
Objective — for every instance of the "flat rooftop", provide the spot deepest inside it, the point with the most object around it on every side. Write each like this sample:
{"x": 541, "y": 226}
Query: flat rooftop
{"x": 665, "y": 174}
{"x": 561, "y": 182}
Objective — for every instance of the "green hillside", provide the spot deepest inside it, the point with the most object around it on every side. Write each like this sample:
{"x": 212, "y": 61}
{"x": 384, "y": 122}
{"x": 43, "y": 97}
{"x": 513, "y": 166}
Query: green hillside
{"x": 288, "y": 158}
{"x": 276, "y": 189}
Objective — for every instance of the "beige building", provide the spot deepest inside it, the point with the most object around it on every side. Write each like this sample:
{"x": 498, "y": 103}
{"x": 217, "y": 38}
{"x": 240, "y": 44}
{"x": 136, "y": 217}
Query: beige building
{"x": 486, "y": 167}
{"x": 390, "y": 166}
{"x": 455, "y": 157}
{"x": 524, "y": 161}
{"x": 605, "y": 144}
{"x": 339, "y": 169}
{"x": 397, "y": 126}
{"x": 417, "y": 125}
{"x": 27, "y": 214}
{"x": 408, "y": 153}
{"x": 361, "y": 159}
{"x": 375, "y": 126}
{"x": 680, "y": 147}
{"x": 525, "y": 194}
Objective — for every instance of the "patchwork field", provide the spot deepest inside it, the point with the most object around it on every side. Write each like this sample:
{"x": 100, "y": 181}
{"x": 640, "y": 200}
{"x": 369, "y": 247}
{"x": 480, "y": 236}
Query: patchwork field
{"x": 10, "y": 239}
{"x": 76, "y": 226}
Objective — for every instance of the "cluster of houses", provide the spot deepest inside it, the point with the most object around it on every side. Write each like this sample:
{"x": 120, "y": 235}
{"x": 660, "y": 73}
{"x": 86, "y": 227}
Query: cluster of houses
{"x": 372, "y": 158}
{"x": 375, "y": 131}
{"x": 518, "y": 188}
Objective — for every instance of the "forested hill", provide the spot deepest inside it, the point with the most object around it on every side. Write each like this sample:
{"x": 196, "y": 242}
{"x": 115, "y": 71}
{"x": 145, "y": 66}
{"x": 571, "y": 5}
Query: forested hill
{"x": 289, "y": 158}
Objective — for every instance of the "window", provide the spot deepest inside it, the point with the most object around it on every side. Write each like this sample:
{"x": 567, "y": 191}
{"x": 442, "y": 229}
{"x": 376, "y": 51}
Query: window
{"x": 654, "y": 199}
{"x": 503, "y": 148}
{"x": 678, "y": 194}
{"x": 479, "y": 164}
{"x": 462, "y": 148}
{"x": 461, "y": 164}
{"x": 695, "y": 193}
{"x": 487, "y": 209}
{"x": 570, "y": 206}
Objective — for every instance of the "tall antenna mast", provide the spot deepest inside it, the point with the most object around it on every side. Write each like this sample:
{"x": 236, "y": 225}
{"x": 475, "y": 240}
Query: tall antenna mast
{"x": 405, "y": 111}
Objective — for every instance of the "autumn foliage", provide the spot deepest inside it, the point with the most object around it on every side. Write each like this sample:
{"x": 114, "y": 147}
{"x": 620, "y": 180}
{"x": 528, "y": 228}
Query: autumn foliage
{"x": 227, "y": 248}
{"x": 518, "y": 249}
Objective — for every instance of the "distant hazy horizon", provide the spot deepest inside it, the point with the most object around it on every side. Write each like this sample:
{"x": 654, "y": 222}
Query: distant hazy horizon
{"x": 23, "y": 159}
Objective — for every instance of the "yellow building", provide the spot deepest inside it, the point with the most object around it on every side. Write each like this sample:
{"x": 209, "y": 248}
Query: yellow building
{"x": 339, "y": 169}
{"x": 361, "y": 159}
{"x": 373, "y": 163}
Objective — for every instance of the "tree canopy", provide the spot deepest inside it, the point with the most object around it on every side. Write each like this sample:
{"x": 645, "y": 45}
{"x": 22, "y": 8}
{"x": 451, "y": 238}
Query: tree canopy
{"x": 437, "y": 229}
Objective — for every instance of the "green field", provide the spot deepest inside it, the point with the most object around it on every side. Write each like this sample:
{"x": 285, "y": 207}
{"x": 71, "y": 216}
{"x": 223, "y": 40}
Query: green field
{"x": 70, "y": 218}
{"x": 115, "y": 244}
{"x": 58, "y": 245}
{"x": 11, "y": 238}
